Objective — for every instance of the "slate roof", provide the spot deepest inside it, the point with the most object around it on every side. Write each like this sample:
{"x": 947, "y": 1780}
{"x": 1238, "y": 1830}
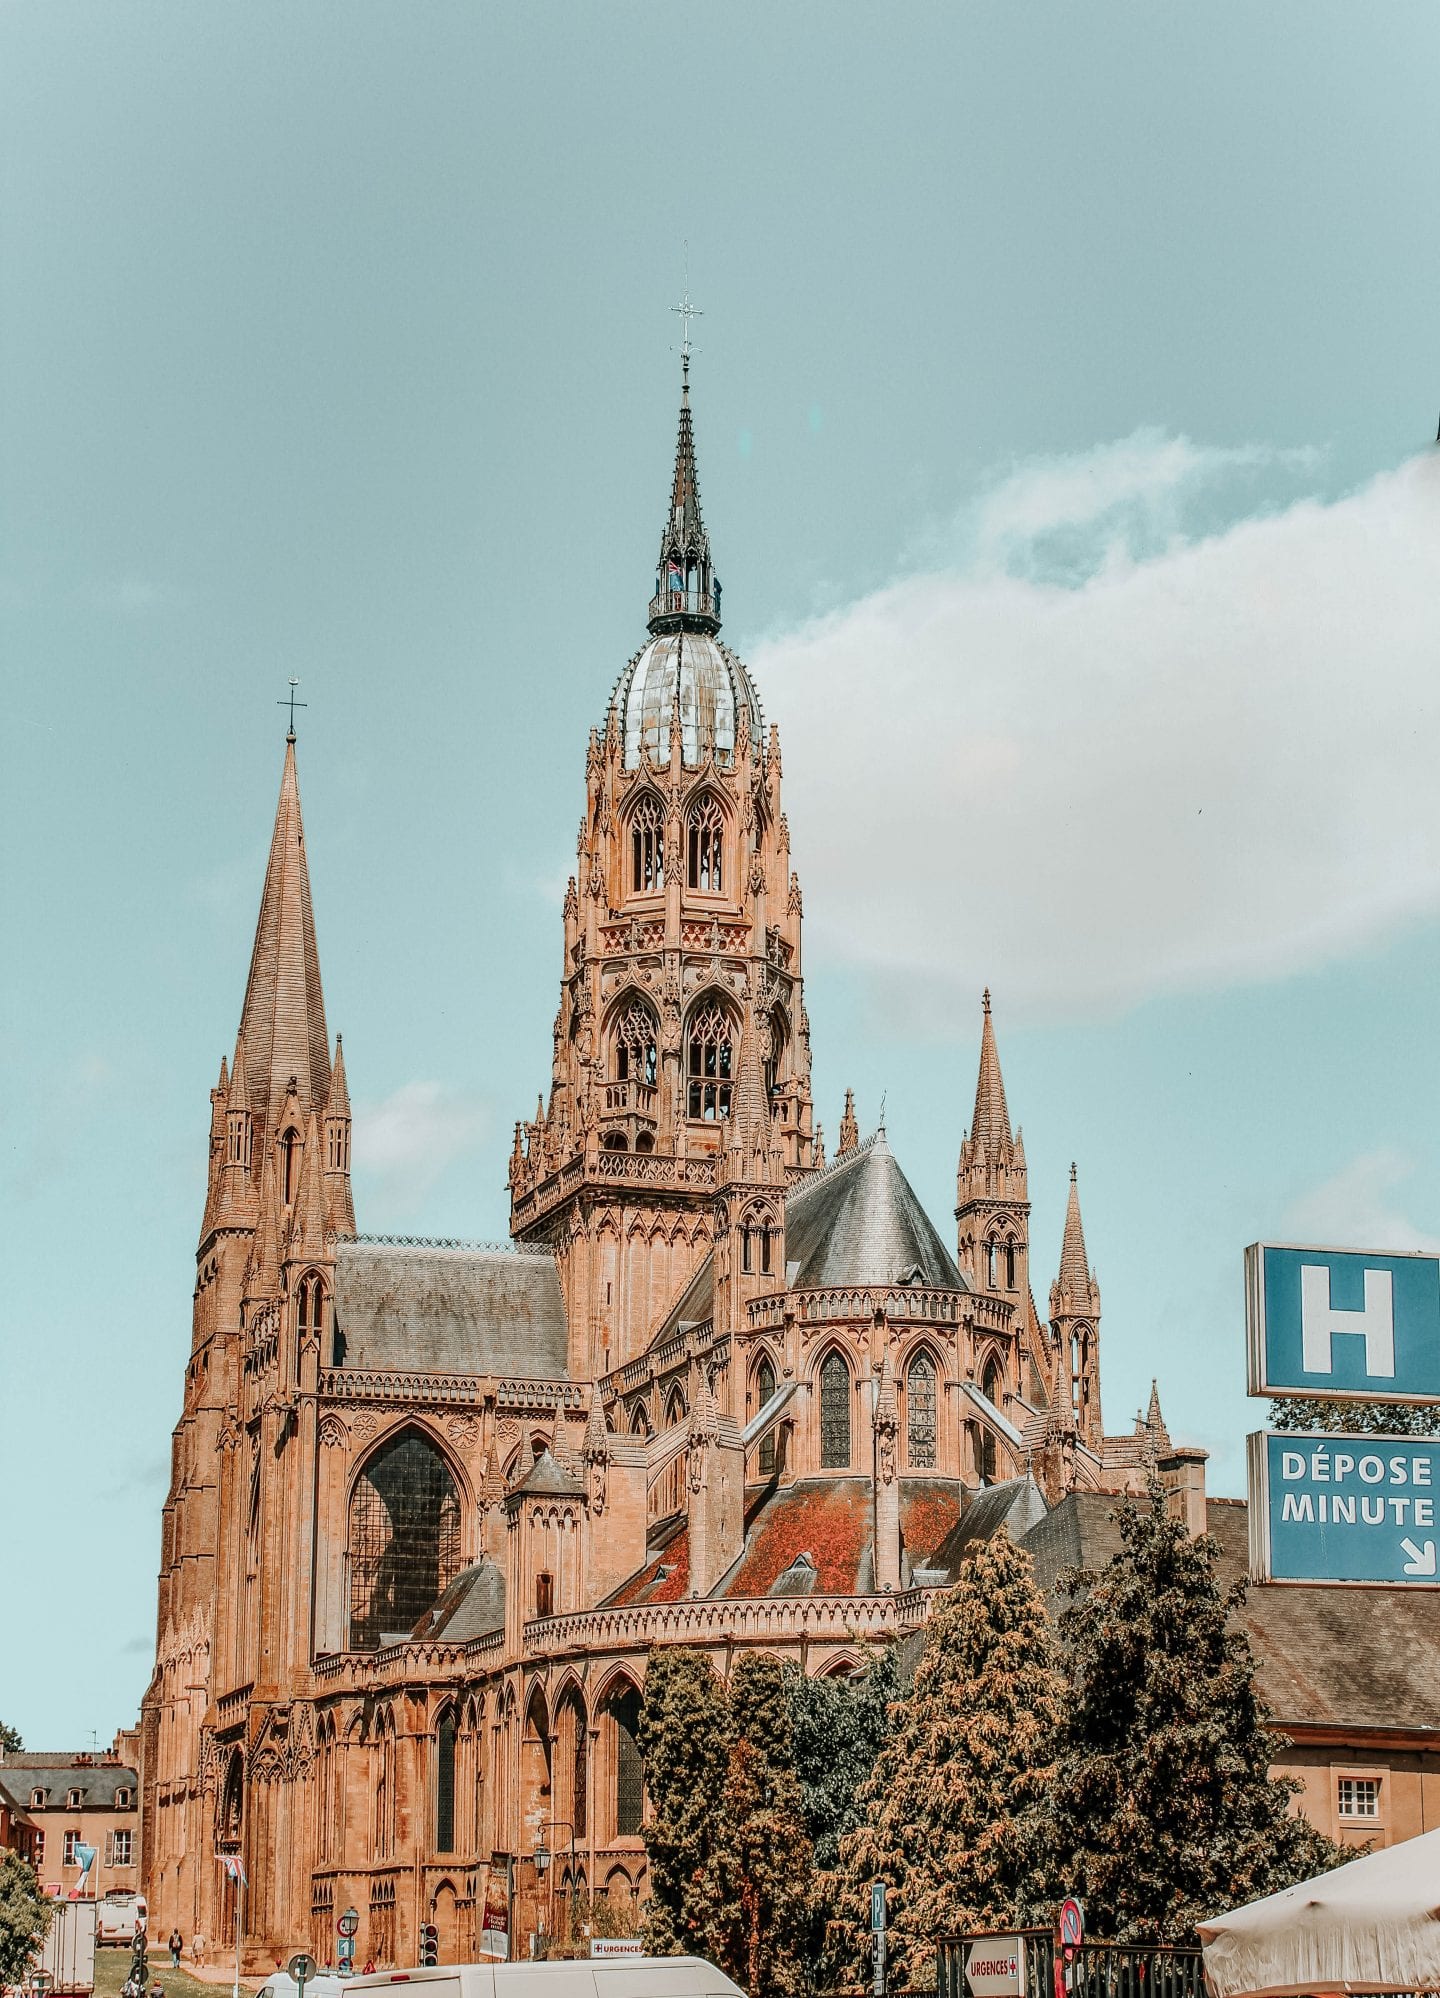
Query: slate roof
{"x": 59, "y": 1774}
{"x": 473, "y": 1606}
{"x": 447, "y": 1309}
{"x": 1017, "y": 1505}
{"x": 1326, "y": 1657}
{"x": 861, "y": 1222}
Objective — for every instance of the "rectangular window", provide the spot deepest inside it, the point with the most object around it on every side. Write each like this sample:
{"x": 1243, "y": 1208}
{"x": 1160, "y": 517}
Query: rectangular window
{"x": 544, "y": 1595}
{"x": 72, "y": 1839}
{"x": 73, "y": 1799}
{"x": 118, "y": 1849}
{"x": 1359, "y": 1796}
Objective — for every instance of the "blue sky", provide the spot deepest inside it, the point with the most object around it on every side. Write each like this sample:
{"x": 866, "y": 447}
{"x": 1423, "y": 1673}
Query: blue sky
{"x": 1064, "y": 400}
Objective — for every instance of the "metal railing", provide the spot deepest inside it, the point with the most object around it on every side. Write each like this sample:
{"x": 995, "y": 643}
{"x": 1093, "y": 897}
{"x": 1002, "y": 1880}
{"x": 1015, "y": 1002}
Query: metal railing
{"x": 1094, "y": 1970}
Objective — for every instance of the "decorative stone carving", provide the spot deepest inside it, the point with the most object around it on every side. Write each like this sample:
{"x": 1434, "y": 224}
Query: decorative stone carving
{"x": 333, "y": 1433}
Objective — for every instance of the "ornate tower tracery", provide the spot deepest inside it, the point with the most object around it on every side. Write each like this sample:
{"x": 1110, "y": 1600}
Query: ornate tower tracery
{"x": 682, "y": 943}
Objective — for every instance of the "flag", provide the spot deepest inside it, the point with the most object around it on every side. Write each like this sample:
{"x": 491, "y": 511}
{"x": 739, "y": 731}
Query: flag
{"x": 84, "y": 1859}
{"x": 233, "y": 1866}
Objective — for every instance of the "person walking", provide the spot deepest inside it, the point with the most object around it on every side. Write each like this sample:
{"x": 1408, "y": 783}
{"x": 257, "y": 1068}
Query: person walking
{"x": 197, "y": 1951}
{"x": 177, "y": 1943}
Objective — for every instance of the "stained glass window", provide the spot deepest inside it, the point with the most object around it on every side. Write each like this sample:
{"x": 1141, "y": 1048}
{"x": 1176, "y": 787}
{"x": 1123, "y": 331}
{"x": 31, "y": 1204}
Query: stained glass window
{"x": 920, "y": 1412}
{"x": 834, "y": 1414}
{"x": 765, "y": 1391}
{"x": 445, "y": 1782}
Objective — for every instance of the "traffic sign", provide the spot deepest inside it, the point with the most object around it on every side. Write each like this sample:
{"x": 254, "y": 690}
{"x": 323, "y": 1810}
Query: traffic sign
{"x": 877, "y": 1907}
{"x": 1342, "y": 1324}
{"x": 1328, "y": 1506}
{"x": 302, "y": 1968}
{"x": 1072, "y": 1924}
{"x": 348, "y": 1924}
{"x": 995, "y": 1967}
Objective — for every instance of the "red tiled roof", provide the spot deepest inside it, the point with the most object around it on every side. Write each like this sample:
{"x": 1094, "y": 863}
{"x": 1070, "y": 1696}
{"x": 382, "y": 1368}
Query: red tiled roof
{"x": 827, "y": 1518}
{"x": 649, "y": 1584}
{"x": 929, "y": 1510}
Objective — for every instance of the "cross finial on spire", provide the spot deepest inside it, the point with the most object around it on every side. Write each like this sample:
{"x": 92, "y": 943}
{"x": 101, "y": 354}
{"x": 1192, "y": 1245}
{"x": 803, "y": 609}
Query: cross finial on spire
{"x": 687, "y": 312}
{"x": 292, "y": 704}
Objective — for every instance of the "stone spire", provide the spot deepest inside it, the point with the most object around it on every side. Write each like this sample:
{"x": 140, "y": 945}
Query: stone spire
{"x": 1074, "y": 1264}
{"x": 282, "y": 1023}
{"x": 849, "y": 1129}
{"x": 687, "y": 591}
{"x": 990, "y": 1126}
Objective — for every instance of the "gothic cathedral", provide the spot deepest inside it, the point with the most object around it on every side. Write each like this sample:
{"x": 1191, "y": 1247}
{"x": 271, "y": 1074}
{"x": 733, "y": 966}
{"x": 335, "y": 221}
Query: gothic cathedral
{"x": 433, "y": 1503}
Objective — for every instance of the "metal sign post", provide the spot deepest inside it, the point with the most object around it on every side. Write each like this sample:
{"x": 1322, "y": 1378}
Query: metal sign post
{"x": 302, "y": 1968}
{"x": 877, "y": 1934}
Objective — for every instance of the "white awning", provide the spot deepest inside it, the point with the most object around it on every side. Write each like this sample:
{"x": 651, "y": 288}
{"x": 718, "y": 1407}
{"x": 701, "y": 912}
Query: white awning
{"x": 1371, "y": 1926}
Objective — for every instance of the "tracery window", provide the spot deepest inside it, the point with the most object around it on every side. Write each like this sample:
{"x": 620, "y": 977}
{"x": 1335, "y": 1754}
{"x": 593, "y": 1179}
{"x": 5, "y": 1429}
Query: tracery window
{"x": 635, "y": 1044}
{"x": 647, "y": 847}
{"x": 624, "y": 1712}
{"x": 705, "y": 837}
{"x": 920, "y": 1414}
{"x": 765, "y": 1392}
{"x": 834, "y": 1414}
{"x": 709, "y": 1061}
{"x": 404, "y": 1539}
{"x": 992, "y": 1387}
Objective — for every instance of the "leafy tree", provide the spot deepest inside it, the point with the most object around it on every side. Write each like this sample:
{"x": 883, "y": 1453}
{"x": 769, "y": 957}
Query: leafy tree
{"x": 1163, "y": 1808}
{"x": 952, "y": 1805}
{"x": 10, "y": 1740}
{"x": 762, "y": 1871}
{"x": 837, "y": 1729}
{"x": 24, "y": 1916}
{"x": 1357, "y": 1418}
{"x": 684, "y": 1740}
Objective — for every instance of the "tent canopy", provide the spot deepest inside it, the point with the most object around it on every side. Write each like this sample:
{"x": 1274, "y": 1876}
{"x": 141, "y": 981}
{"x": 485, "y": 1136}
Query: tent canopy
{"x": 1371, "y": 1926}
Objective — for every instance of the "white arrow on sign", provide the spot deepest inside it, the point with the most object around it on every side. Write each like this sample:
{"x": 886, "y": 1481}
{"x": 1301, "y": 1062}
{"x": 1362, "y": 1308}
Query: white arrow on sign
{"x": 1422, "y": 1559}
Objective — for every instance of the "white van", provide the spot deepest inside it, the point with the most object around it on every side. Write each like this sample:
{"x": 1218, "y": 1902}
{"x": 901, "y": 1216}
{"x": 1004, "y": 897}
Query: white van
{"x": 118, "y": 1915}
{"x": 603, "y": 1977}
{"x": 280, "y": 1984}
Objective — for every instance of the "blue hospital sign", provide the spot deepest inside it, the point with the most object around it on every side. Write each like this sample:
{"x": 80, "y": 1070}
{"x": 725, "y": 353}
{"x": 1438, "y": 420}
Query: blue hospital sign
{"x": 1338, "y": 1507}
{"x": 1339, "y": 1324}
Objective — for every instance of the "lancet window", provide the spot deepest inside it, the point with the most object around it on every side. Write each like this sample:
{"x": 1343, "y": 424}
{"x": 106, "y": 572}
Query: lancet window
{"x": 445, "y": 1782}
{"x": 709, "y": 1059}
{"x": 920, "y": 1413}
{"x": 635, "y": 1044}
{"x": 647, "y": 847}
{"x": 705, "y": 841}
{"x": 834, "y": 1414}
{"x": 765, "y": 1392}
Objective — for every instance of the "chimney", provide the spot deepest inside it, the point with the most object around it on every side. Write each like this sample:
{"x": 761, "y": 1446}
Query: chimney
{"x": 1183, "y": 1475}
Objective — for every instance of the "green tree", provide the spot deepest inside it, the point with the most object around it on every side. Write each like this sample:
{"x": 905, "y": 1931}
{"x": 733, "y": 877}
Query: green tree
{"x": 952, "y": 1806}
{"x": 684, "y": 1742}
{"x": 24, "y": 1917}
{"x": 762, "y": 1871}
{"x": 10, "y": 1740}
{"x": 837, "y": 1729}
{"x": 1357, "y": 1418}
{"x": 1162, "y": 1806}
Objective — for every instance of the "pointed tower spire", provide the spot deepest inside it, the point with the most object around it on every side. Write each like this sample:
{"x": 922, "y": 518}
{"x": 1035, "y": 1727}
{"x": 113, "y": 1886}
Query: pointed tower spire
{"x": 282, "y": 1023}
{"x": 687, "y": 590}
{"x": 991, "y": 1123}
{"x": 1074, "y": 1264}
{"x": 849, "y": 1129}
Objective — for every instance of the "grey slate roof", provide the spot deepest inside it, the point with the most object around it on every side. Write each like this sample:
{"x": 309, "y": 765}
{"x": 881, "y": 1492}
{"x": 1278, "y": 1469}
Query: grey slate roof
{"x": 1017, "y": 1505}
{"x": 1326, "y": 1657}
{"x": 98, "y": 1781}
{"x": 473, "y": 1606}
{"x": 547, "y": 1479}
{"x": 861, "y": 1222}
{"x": 450, "y": 1310}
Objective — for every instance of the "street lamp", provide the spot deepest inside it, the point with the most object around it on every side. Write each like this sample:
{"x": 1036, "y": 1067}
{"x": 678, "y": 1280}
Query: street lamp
{"x": 543, "y": 1857}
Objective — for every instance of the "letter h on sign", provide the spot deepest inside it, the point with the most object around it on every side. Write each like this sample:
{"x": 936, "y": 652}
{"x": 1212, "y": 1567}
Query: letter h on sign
{"x": 1320, "y": 1322}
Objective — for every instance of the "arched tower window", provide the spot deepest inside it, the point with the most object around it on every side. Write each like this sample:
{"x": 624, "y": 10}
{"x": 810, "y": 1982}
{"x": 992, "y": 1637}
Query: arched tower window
{"x": 834, "y": 1414}
{"x": 404, "y": 1539}
{"x": 992, "y": 1386}
{"x": 647, "y": 847}
{"x": 705, "y": 840}
{"x": 623, "y": 1712}
{"x": 765, "y": 1392}
{"x": 920, "y": 1413}
{"x": 445, "y": 1782}
{"x": 709, "y": 1061}
{"x": 289, "y": 1166}
{"x": 634, "y": 1041}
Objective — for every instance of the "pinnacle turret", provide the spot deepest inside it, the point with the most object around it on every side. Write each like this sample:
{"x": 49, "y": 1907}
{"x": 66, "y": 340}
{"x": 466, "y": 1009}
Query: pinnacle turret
{"x": 1074, "y": 1264}
{"x": 990, "y": 1125}
{"x": 687, "y": 591}
{"x": 849, "y": 1128}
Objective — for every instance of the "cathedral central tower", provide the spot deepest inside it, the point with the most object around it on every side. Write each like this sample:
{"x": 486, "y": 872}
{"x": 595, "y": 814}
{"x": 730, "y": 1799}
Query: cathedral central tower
{"x": 681, "y": 991}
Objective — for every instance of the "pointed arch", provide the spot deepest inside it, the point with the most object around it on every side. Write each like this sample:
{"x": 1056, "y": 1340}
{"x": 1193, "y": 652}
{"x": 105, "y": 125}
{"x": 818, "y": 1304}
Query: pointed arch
{"x": 404, "y": 1541}
{"x": 764, "y": 1381}
{"x": 644, "y": 832}
{"x": 706, "y": 824}
{"x": 632, "y": 1036}
{"x": 446, "y": 1731}
{"x": 712, "y": 1035}
{"x": 921, "y": 1378}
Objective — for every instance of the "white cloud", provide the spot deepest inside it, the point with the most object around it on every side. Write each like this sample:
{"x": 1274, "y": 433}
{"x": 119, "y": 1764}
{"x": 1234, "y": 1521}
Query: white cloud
{"x": 1357, "y": 1207}
{"x": 1098, "y": 756}
{"x": 404, "y": 1143}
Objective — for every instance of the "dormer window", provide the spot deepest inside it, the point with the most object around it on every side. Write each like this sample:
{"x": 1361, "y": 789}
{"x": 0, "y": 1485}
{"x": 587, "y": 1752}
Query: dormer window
{"x": 37, "y": 1800}
{"x": 647, "y": 848}
{"x": 74, "y": 1799}
{"x": 122, "y": 1800}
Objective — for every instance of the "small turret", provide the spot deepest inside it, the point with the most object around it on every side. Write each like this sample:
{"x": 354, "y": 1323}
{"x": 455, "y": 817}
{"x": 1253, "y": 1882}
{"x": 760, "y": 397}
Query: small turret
{"x": 849, "y": 1128}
